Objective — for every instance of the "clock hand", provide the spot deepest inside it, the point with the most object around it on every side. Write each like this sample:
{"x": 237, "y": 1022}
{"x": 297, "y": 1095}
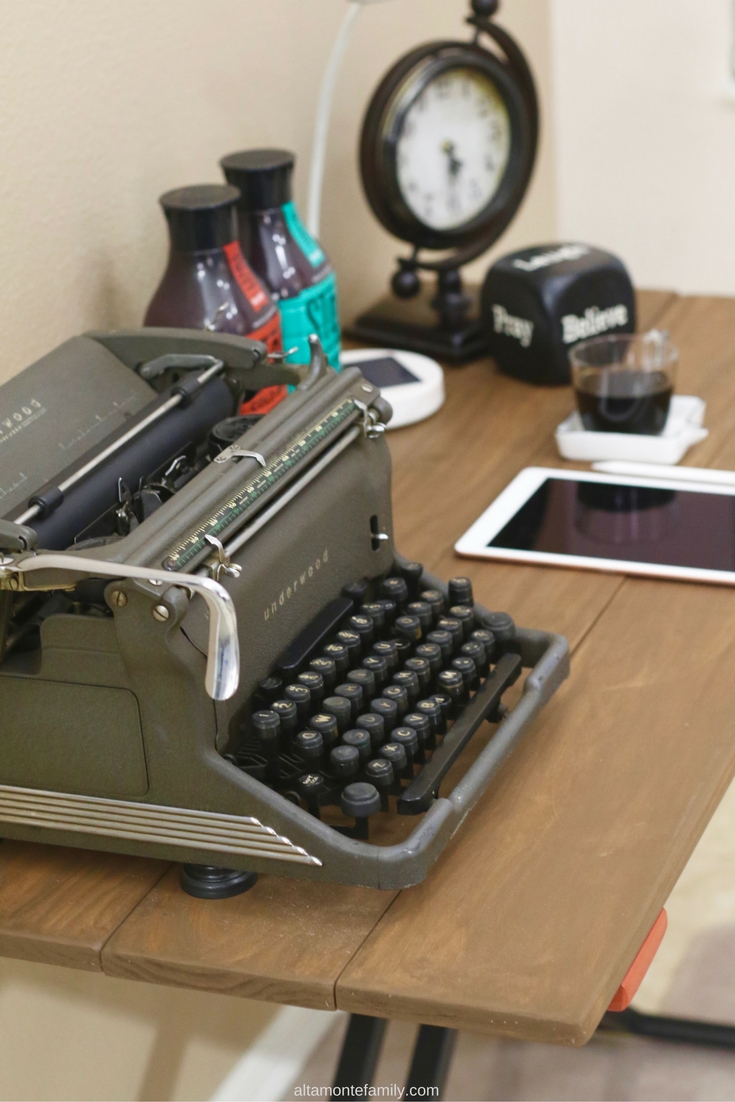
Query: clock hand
{"x": 454, "y": 164}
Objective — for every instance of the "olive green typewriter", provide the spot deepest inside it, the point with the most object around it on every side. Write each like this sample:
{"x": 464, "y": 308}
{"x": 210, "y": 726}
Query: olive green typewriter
{"x": 210, "y": 650}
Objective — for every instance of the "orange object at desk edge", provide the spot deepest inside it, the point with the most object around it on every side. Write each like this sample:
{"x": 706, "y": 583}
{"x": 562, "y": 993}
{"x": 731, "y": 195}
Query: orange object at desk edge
{"x": 634, "y": 976}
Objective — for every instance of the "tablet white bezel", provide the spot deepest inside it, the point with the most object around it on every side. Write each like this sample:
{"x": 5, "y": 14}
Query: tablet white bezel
{"x": 473, "y": 543}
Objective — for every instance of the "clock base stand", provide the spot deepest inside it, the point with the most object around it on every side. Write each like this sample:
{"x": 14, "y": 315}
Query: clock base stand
{"x": 414, "y": 325}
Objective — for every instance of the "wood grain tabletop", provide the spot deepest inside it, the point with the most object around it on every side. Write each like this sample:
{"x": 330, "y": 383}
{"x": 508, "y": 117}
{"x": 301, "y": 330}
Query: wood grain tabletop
{"x": 531, "y": 917}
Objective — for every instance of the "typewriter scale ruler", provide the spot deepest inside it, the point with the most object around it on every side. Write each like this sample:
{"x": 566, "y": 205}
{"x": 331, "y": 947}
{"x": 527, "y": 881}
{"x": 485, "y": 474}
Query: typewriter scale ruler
{"x": 235, "y": 508}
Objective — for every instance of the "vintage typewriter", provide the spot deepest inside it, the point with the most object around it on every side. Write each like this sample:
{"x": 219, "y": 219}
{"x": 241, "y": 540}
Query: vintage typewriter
{"x": 210, "y": 650}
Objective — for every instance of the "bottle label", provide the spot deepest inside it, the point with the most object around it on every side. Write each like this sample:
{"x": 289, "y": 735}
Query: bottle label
{"x": 269, "y": 333}
{"x": 246, "y": 278}
{"x": 265, "y": 400}
{"x": 311, "y": 249}
{"x": 313, "y": 310}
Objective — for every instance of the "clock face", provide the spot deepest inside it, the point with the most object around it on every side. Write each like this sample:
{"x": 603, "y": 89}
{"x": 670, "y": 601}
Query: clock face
{"x": 453, "y": 148}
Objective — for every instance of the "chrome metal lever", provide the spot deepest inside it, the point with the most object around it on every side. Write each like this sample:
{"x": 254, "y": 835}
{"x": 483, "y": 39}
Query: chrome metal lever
{"x": 223, "y": 659}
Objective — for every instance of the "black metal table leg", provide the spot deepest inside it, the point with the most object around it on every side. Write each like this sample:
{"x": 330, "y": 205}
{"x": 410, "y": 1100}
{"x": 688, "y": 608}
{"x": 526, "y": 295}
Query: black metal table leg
{"x": 682, "y": 1031}
{"x": 359, "y": 1057}
{"x": 432, "y": 1056}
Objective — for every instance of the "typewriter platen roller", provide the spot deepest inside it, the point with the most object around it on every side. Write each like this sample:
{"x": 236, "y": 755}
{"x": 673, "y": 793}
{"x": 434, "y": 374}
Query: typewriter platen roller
{"x": 210, "y": 650}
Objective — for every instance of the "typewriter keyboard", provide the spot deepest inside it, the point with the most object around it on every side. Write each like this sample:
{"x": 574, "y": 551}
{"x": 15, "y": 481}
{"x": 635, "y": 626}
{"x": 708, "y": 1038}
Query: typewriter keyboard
{"x": 374, "y": 701}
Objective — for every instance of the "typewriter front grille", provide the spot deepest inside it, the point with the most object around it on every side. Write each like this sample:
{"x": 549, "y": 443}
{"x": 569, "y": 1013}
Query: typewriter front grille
{"x": 372, "y": 704}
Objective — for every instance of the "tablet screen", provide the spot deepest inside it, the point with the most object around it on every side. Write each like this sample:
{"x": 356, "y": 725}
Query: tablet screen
{"x": 632, "y": 523}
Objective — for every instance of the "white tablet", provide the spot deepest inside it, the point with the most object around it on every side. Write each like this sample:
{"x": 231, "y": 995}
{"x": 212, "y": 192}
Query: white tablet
{"x": 650, "y": 526}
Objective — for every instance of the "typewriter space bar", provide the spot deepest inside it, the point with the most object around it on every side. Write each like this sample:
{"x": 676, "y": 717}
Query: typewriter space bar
{"x": 313, "y": 634}
{"x": 422, "y": 792}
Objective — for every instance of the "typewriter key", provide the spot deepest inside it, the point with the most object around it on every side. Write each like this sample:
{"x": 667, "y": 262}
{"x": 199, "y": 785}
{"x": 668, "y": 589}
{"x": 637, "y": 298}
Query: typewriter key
{"x": 289, "y": 719}
{"x": 412, "y": 572}
{"x": 379, "y": 772}
{"x": 431, "y": 709}
{"x": 404, "y": 650}
{"x": 326, "y": 725}
{"x": 408, "y": 739}
{"x": 448, "y": 623}
{"x": 408, "y": 680}
{"x": 309, "y": 745}
{"x": 395, "y": 589}
{"x": 345, "y": 762}
{"x": 451, "y": 682}
{"x": 396, "y": 755}
{"x": 387, "y": 710}
{"x": 365, "y": 678}
{"x": 269, "y": 689}
{"x": 327, "y": 670}
{"x": 423, "y": 612}
{"x": 399, "y": 696}
{"x": 314, "y": 682}
{"x": 355, "y": 694}
{"x": 486, "y": 639}
{"x": 341, "y": 709}
{"x": 444, "y": 701}
{"x": 390, "y": 612}
{"x": 360, "y": 739}
{"x": 434, "y": 598}
{"x": 378, "y": 667}
{"x": 352, "y": 641}
{"x": 476, "y": 652}
{"x": 375, "y": 727}
{"x": 408, "y": 627}
{"x": 444, "y": 641}
{"x": 389, "y": 651}
{"x": 339, "y": 655}
{"x": 466, "y": 618}
{"x": 503, "y": 628}
{"x": 467, "y": 670}
{"x": 301, "y": 697}
{"x": 309, "y": 785}
{"x": 460, "y": 591}
{"x": 422, "y": 669}
{"x": 356, "y": 590}
{"x": 267, "y": 730}
{"x": 364, "y": 627}
{"x": 360, "y": 800}
{"x": 419, "y": 722}
{"x": 376, "y": 612}
{"x": 431, "y": 653}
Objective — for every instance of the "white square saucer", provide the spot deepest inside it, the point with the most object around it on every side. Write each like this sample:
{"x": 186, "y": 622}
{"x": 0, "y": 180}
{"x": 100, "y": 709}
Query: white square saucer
{"x": 683, "y": 429}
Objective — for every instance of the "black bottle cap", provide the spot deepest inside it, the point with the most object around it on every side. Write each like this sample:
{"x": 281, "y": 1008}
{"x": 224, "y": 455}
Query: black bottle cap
{"x": 201, "y": 217}
{"x": 360, "y": 800}
{"x": 263, "y": 176}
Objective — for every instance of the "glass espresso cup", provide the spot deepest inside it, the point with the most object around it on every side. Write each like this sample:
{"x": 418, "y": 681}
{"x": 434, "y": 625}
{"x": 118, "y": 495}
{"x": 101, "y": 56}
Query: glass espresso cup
{"x": 624, "y": 383}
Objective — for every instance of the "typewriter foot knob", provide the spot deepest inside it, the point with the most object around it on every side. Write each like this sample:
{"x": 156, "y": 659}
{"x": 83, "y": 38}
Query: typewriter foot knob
{"x": 210, "y": 882}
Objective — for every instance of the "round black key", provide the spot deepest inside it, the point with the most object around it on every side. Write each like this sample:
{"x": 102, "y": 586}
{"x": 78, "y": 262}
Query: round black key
{"x": 341, "y": 709}
{"x": 309, "y": 745}
{"x": 407, "y": 738}
{"x": 327, "y": 670}
{"x": 399, "y": 696}
{"x": 356, "y": 590}
{"x": 423, "y": 613}
{"x": 486, "y": 639}
{"x": 419, "y": 723}
{"x": 422, "y": 669}
{"x": 352, "y": 641}
{"x": 378, "y": 667}
{"x": 460, "y": 592}
{"x": 431, "y": 709}
{"x": 396, "y": 755}
{"x": 301, "y": 697}
{"x": 376, "y": 612}
{"x": 267, "y": 730}
{"x": 345, "y": 762}
{"x": 448, "y": 623}
{"x": 360, "y": 739}
{"x": 468, "y": 672}
{"x": 379, "y": 772}
{"x": 289, "y": 718}
{"x": 476, "y": 652}
{"x": 431, "y": 653}
{"x": 315, "y": 684}
{"x": 502, "y": 627}
{"x": 374, "y": 724}
{"x": 444, "y": 640}
{"x": 326, "y": 725}
{"x": 435, "y": 599}
{"x": 389, "y": 651}
{"x": 308, "y": 786}
{"x": 466, "y": 618}
{"x": 360, "y": 800}
{"x": 408, "y": 680}
{"x": 390, "y": 611}
{"x": 404, "y": 650}
{"x": 451, "y": 682}
{"x": 366, "y": 680}
{"x": 387, "y": 710}
{"x": 408, "y": 627}
{"x": 269, "y": 689}
{"x": 339, "y": 655}
{"x": 445, "y": 703}
{"x": 364, "y": 627}
{"x": 413, "y": 573}
{"x": 395, "y": 589}
{"x": 355, "y": 694}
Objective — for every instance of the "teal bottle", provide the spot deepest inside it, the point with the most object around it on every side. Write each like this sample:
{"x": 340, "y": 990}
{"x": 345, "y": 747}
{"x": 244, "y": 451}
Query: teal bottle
{"x": 281, "y": 251}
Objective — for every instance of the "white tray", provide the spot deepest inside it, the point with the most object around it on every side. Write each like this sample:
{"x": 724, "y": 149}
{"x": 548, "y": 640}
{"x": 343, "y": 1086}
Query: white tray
{"x": 683, "y": 429}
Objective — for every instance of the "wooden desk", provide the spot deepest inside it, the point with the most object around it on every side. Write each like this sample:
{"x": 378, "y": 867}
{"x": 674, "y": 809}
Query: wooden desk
{"x": 530, "y": 919}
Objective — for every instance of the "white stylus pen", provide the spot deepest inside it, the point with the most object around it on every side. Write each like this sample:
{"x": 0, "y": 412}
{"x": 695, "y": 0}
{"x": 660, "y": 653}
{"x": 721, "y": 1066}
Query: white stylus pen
{"x": 660, "y": 470}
